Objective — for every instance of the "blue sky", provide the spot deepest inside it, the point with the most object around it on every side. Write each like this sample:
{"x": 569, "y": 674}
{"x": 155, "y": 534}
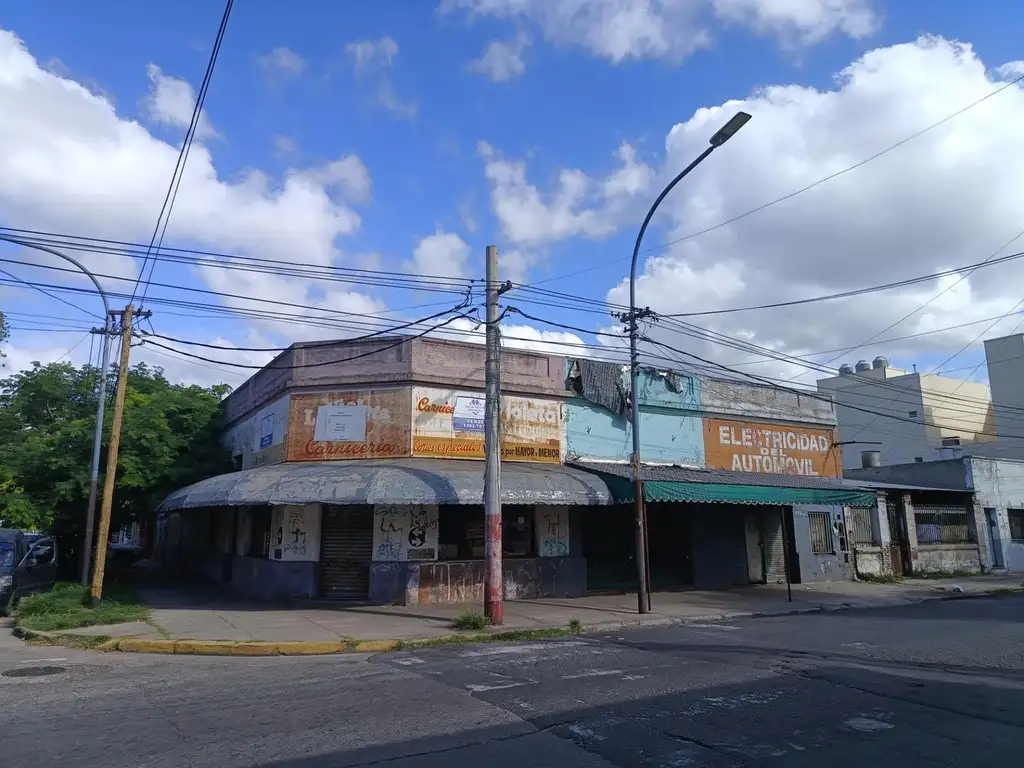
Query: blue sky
{"x": 453, "y": 150}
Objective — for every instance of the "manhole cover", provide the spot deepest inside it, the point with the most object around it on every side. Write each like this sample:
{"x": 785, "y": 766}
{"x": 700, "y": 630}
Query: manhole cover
{"x": 32, "y": 671}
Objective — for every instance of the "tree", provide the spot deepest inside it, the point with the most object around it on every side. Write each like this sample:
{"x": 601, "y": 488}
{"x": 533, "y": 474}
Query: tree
{"x": 3, "y": 333}
{"x": 170, "y": 438}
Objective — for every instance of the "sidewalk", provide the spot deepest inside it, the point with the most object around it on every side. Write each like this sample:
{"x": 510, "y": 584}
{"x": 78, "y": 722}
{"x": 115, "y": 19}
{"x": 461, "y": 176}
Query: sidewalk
{"x": 209, "y": 615}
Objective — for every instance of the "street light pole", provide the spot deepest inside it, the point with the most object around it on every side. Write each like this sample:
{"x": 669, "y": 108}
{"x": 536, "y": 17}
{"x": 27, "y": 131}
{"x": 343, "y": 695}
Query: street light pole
{"x": 97, "y": 439}
{"x": 725, "y": 133}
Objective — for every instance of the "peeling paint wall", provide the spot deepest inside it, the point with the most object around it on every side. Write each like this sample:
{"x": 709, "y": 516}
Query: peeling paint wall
{"x": 259, "y": 438}
{"x": 462, "y": 581}
{"x": 821, "y": 567}
{"x": 999, "y": 485}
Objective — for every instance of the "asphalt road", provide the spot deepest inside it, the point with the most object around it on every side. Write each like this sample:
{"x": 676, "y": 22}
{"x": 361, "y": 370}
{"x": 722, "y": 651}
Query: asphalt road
{"x": 937, "y": 684}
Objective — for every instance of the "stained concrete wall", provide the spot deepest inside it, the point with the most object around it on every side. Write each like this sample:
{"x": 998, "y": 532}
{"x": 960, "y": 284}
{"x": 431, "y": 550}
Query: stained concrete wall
{"x": 821, "y": 567}
{"x": 999, "y": 485}
{"x": 259, "y": 438}
{"x": 462, "y": 581}
{"x": 725, "y": 397}
{"x": 384, "y": 361}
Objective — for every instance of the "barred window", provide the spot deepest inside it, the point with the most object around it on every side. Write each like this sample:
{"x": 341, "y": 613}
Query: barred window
{"x": 1016, "y": 524}
{"x": 860, "y": 525}
{"x": 821, "y": 533}
{"x": 943, "y": 525}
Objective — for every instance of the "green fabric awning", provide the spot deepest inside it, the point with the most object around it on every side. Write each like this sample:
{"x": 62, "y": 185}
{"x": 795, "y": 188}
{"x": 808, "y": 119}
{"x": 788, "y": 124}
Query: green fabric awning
{"x": 779, "y": 490}
{"x": 660, "y": 490}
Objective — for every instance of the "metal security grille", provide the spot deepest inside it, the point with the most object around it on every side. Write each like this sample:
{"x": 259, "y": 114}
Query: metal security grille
{"x": 943, "y": 524}
{"x": 860, "y": 525}
{"x": 346, "y": 552}
{"x": 821, "y": 533}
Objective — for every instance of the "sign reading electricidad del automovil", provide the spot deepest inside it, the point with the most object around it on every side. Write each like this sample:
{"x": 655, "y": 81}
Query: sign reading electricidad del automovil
{"x": 745, "y": 446}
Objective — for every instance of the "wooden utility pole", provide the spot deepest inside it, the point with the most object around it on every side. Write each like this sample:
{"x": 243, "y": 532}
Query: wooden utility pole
{"x": 96, "y": 593}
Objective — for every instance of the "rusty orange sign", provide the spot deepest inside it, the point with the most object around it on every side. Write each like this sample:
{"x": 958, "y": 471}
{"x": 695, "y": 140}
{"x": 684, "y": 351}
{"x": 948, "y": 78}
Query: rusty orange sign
{"x": 332, "y": 426}
{"x": 751, "y": 446}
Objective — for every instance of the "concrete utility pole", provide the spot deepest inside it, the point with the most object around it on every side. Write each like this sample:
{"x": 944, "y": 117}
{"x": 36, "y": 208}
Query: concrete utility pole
{"x": 494, "y": 586}
{"x": 96, "y": 593}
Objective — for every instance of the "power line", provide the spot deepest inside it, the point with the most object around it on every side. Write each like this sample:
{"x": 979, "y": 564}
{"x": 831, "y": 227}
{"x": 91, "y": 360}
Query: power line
{"x": 222, "y": 259}
{"x": 797, "y": 192}
{"x": 861, "y": 291}
{"x": 179, "y": 166}
{"x": 271, "y": 366}
{"x": 43, "y": 291}
{"x": 309, "y": 345}
{"x": 810, "y": 394}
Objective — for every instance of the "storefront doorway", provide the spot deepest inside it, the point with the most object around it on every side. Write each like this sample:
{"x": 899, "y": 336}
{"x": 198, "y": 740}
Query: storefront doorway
{"x": 346, "y": 551}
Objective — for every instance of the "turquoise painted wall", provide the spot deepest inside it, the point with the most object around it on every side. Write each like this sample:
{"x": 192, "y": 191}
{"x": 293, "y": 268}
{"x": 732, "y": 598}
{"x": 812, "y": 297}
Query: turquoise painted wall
{"x": 670, "y": 424}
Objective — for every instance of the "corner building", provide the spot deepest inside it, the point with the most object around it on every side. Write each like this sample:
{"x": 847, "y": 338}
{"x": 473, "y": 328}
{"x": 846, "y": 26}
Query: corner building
{"x": 359, "y": 476}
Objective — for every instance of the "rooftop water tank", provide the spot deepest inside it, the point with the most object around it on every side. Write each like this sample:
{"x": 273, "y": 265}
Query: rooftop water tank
{"x": 880, "y": 362}
{"x": 845, "y": 368}
{"x": 870, "y": 459}
{"x": 862, "y": 365}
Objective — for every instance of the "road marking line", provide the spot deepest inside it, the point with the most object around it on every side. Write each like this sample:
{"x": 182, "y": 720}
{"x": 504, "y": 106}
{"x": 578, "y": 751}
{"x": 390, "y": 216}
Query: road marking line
{"x": 483, "y": 688}
{"x": 715, "y": 626}
{"x": 519, "y": 649}
{"x": 592, "y": 673}
{"x": 36, "y": 661}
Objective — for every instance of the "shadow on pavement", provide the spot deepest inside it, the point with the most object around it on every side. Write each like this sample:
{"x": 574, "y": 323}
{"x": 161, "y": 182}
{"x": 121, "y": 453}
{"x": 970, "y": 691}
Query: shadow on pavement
{"x": 836, "y": 715}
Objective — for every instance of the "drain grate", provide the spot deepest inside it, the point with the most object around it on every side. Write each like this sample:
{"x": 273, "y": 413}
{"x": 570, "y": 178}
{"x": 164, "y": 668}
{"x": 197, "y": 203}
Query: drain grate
{"x": 32, "y": 671}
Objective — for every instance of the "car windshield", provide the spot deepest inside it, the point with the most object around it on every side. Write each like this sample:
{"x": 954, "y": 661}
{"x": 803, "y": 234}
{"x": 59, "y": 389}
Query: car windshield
{"x": 6, "y": 555}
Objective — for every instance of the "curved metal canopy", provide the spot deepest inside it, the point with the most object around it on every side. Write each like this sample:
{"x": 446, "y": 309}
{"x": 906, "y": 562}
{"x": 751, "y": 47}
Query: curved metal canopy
{"x": 391, "y": 481}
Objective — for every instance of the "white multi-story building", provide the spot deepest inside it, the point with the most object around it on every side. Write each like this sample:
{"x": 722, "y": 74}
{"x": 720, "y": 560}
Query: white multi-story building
{"x": 911, "y": 417}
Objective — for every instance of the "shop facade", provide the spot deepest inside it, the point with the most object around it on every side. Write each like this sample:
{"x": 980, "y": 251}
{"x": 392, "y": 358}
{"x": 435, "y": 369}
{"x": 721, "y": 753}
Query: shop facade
{"x": 742, "y": 484}
{"x": 376, "y": 494}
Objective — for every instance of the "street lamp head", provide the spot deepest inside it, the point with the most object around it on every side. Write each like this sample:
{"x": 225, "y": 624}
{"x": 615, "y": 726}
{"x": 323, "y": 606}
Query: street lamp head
{"x": 730, "y": 129}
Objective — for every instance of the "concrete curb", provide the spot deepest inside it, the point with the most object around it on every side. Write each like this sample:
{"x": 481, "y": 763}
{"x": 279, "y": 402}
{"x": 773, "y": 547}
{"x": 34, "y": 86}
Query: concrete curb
{"x": 186, "y": 647}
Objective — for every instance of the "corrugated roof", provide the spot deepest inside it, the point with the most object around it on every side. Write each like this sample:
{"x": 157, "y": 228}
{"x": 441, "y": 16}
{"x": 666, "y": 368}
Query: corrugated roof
{"x": 392, "y": 481}
{"x": 675, "y": 474}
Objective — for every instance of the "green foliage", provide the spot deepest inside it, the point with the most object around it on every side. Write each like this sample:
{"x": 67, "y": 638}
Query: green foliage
{"x": 65, "y": 607}
{"x": 470, "y": 620}
{"x": 170, "y": 438}
{"x": 575, "y": 626}
{"x": 3, "y": 331}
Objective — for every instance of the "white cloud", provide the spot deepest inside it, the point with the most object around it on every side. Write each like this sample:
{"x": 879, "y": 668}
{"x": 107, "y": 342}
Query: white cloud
{"x": 285, "y": 145}
{"x": 578, "y": 205}
{"x": 70, "y": 163}
{"x": 671, "y": 29}
{"x": 526, "y": 337}
{"x": 442, "y": 254}
{"x": 372, "y": 54}
{"x": 283, "y": 62}
{"x": 805, "y": 22}
{"x": 390, "y": 100}
{"x": 172, "y": 100}
{"x": 945, "y": 199}
{"x": 376, "y": 57}
{"x": 503, "y": 60}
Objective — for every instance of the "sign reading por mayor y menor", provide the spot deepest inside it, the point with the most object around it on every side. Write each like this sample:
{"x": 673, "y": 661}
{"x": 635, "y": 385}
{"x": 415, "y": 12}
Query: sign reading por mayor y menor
{"x": 450, "y": 424}
{"x": 744, "y": 446}
{"x": 330, "y": 426}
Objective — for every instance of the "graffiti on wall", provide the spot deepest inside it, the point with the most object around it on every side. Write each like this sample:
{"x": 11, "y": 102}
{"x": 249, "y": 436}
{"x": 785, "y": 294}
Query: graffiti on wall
{"x": 552, "y": 530}
{"x": 295, "y": 533}
{"x": 741, "y": 446}
{"x": 333, "y": 426}
{"x": 450, "y": 424}
{"x": 405, "y": 532}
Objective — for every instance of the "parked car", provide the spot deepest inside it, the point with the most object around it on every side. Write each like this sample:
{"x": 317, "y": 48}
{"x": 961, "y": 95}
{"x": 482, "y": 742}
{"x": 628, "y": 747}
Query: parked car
{"x": 27, "y": 566}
